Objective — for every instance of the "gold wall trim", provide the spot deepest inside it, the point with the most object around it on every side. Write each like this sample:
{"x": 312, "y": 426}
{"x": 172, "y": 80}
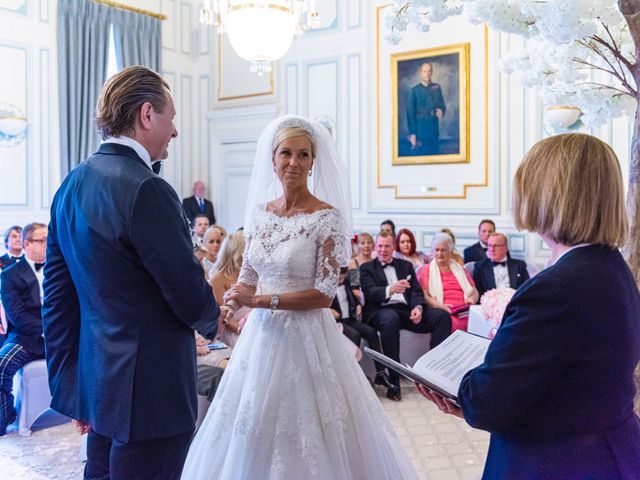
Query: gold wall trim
{"x": 235, "y": 97}
{"x": 465, "y": 186}
{"x": 129, "y": 8}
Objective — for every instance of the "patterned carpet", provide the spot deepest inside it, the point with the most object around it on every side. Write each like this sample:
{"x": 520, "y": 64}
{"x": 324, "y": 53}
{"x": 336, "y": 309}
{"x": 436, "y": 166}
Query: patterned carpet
{"x": 442, "y": 447}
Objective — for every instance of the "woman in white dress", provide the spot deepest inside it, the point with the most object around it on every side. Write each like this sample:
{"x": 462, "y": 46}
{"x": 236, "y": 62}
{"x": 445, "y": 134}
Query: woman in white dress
{"x": 293, "y": 403}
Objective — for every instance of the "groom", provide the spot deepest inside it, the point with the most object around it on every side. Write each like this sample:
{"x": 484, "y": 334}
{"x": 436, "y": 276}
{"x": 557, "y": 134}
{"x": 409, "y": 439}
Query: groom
{"x": 123, "y": 292}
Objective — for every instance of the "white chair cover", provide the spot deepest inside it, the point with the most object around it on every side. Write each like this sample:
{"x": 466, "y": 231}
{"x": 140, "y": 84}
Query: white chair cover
{"x": 32, "y": 397}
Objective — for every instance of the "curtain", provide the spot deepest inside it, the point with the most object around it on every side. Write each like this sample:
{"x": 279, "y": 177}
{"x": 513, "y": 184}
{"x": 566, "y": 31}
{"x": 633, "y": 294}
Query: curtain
{"x": 83, "y": 49}
{"x": 138, "y": 39}
{"x": 83, "y": 45}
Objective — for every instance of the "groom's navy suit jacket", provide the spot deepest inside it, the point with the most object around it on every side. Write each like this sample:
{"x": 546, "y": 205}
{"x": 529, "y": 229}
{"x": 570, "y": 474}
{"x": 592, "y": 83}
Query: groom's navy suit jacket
{"x": 21, "y": 302}
{"x": 123, "y": 293}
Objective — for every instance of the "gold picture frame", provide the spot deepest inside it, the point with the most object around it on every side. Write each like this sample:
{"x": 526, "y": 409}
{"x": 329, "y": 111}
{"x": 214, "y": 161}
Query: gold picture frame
{"x": 230, "y": 85}
{"x": 430, "y": 93}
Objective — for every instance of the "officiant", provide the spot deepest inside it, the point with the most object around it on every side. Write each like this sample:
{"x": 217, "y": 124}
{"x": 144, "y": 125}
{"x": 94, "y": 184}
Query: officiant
{"x": 556, "y": 388}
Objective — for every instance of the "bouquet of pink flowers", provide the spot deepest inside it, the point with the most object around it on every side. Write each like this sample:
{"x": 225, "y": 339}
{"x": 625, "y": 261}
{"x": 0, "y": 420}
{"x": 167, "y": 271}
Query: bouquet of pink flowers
{"x": 493, "y": 304}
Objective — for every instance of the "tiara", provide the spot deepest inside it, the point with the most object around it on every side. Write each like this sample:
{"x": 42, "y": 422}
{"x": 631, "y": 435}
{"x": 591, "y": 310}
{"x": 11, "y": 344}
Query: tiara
{"x": 297, "y": 122}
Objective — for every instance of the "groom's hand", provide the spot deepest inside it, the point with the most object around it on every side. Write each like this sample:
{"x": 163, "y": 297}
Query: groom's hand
{"x": 81, "y": 426}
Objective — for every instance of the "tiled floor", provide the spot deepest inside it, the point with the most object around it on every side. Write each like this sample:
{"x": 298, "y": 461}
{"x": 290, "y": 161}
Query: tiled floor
{"x": 442, "y": 447}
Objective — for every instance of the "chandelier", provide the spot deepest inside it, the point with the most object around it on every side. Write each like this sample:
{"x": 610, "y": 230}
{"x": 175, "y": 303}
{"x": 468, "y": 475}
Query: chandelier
{"x": 259, "y": 31}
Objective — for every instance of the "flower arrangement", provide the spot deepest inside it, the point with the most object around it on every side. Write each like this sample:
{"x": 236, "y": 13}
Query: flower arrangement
{"x": 493, "y": 304}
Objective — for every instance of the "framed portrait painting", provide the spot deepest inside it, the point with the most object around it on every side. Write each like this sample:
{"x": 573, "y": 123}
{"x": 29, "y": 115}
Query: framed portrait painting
{"x": 430, "y": 105}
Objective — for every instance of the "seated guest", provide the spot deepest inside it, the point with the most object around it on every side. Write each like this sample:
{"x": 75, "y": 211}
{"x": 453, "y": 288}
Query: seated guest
{"x": 224, "y": 278}
{"x": 556, "y": 387}
{"x": 13, "y": 246}
{"x": 478, "y": 251}
{"x": 455, "y": 255}
{"x": 347, "y": 311}
{"x": 200, "y": 252}
{"x": 395, "y": 301}
{"x": 200, "y": 225}
{"x": 365, "y": 249}
{"x": 446, "y": 285}
{"x": 499, "y": 270}
{"x": 212, "y": 241}
{"x": 389, "y": 227}
{"x": 406, "y": 249}
{"x": 21, "y": 293}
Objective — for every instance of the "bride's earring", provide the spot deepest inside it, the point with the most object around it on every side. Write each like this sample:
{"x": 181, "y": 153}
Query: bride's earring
{"x": 309, "y": 172}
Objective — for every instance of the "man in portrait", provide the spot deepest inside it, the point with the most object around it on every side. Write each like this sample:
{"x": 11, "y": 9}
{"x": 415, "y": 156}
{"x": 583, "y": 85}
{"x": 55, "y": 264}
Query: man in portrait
{"x": 425, "y": 109}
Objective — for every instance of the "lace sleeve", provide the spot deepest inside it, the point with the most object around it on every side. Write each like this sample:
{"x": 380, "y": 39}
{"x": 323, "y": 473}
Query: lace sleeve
{"x": 248, "y": 275}
{"x": 331, "y": 254}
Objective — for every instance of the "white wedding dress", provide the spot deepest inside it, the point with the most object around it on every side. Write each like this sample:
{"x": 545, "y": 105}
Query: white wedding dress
{"x": 293, "y": 403}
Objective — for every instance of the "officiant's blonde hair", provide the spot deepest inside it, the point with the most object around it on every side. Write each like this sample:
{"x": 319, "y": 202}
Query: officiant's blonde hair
{"x": 569, "y": 187}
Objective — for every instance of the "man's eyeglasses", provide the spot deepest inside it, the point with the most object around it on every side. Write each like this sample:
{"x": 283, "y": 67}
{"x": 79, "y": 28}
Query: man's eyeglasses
{"x": 496, "y": 245}
{"x": 38, "y": 240}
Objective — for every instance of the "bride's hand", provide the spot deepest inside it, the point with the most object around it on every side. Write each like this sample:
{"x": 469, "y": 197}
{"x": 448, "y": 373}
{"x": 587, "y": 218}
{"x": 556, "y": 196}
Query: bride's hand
{"x": 240, "y": 294}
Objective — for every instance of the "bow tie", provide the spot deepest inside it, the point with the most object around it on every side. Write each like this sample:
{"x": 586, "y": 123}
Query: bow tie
{"x": 155, "y": 166}
{"x": 390, "y": 264}
{"x": 39, "y": 266}
{"x": 504, "y": 263}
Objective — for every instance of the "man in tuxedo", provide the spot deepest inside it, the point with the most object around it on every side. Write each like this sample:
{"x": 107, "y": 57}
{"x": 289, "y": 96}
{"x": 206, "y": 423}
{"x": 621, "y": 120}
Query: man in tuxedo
{"x": 22, "y": 300}
{"x": 200, "y": 224}
{"x": 395, "y": 301}
{"x": 348, "y": 311}
{"x": 13, "y": 246}
{"x": 198, "y": 205}
{"x": 123, "y": 292}
{"x": 478, "y": 251}
{"x": 499, "y": 270}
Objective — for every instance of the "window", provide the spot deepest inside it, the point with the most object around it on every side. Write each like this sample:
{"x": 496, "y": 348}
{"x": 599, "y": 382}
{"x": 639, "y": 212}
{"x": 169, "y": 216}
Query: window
{"x": 112, "y": 62}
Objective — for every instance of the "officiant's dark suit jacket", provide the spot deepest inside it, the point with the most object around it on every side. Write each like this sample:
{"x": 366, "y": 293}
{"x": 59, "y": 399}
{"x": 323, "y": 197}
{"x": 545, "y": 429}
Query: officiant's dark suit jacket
{"x": 123, "y": 293}
{"x": 21, "y": 301}
{"x": 556, "y": 388}
{"x": 374, "y": 283}
{"x": 485, "y": 280}
{"x": 192, "y": 209}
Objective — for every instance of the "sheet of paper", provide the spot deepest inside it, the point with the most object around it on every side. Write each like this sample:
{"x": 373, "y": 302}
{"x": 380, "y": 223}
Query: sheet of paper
{"x": 446, "y": 364}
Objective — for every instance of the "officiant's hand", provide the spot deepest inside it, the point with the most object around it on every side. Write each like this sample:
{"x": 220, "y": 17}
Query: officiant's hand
{"x": 241, "y": 294}
{"x": 442, "y": 403}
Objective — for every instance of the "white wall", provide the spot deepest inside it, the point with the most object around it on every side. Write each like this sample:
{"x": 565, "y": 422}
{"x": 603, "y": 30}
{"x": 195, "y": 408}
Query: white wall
{"x": 343, "y": 71}
{"x": 339, "y": 71}
{"x": 30, "y": 172}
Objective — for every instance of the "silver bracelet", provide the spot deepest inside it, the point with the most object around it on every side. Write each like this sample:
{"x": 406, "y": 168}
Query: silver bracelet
{"x": 275, "y": 299}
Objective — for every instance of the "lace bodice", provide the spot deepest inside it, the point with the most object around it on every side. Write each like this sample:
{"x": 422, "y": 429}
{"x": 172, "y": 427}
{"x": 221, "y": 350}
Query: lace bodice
{"x": 289, "y": 254}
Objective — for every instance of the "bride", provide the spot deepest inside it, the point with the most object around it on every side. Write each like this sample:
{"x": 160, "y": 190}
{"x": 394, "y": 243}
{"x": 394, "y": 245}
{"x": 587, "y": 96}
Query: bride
{"x": 293, "y": 403}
